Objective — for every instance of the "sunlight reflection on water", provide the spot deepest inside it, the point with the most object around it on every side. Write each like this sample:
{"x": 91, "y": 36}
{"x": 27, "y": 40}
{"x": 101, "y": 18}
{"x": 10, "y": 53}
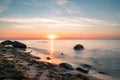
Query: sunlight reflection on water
{"x": 51, "y": 54}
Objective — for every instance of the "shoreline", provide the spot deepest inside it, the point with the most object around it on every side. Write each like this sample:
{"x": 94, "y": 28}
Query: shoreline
{"x": 18, "y": 64}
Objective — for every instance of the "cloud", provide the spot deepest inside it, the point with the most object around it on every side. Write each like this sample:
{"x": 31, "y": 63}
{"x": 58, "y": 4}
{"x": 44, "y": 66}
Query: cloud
{"x": 70, "y": 7}
{"x": 55, "y": 6}
{"x": 4, "y": 5}
{"x": 61, "y": 2}
{"x": 61, "y": 22}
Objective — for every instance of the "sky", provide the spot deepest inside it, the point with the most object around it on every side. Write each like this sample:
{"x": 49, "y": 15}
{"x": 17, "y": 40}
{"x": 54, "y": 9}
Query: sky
{"x": 68, "y": 19}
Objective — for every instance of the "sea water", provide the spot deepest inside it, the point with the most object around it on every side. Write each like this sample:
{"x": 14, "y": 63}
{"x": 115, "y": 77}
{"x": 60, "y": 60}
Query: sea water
{"x": 102, "y": 55}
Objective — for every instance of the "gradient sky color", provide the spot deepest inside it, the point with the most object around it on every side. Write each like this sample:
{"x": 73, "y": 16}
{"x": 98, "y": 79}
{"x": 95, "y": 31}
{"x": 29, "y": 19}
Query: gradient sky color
{"x": 69, "y": 19}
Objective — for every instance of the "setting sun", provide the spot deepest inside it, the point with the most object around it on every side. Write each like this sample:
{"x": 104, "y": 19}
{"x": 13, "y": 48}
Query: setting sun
{"x": 52, "y": 36}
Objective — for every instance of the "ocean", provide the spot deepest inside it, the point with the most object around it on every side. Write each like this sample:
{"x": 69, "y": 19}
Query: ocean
{"x": 102, "y": 55}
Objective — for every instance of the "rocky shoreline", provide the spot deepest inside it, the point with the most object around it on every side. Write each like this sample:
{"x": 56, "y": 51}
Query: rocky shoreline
{"x": 16, "y": 64}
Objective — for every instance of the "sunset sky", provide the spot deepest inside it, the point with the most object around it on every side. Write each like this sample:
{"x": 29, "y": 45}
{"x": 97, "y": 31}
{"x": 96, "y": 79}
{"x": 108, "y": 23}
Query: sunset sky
{"x": 68, "y": 19}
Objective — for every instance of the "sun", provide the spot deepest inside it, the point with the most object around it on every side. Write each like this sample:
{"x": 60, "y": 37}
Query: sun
{"x": 52, "y": 36}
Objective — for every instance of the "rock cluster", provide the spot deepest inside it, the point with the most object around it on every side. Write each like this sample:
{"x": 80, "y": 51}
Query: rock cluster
{"x": 19, "y": 65}
{"x": 15, "y": 44}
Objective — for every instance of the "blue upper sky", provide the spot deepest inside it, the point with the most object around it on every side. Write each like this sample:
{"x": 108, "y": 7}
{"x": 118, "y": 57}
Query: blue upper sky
{"x": 83, "y": 13}
{"x": 100, "y": 9}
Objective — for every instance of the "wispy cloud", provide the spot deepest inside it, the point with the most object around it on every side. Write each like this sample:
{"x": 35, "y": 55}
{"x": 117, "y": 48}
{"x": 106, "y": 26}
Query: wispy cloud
{"x": 55, "y": 6}
{"x": 4, "y": 4}
{"x": 62, "y": 22}
{"x": 61, "y": 2}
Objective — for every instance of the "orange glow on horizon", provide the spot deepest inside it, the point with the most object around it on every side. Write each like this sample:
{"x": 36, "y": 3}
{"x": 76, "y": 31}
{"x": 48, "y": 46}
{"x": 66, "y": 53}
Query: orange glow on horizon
{"x": 52, "y": 36}
{"x": 40, "y": 35}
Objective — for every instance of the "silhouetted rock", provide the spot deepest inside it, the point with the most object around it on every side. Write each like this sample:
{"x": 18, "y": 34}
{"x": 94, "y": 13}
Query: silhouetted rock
{"x": 7, "y": 42}
{"x": 15, "y": 44}
{"x": 102, "y": 72}
{"x": 66, "y": 66}
{"x": 86, "y": 65}
{"x": 78, "y": 47}
{"x": 83, "y": 70}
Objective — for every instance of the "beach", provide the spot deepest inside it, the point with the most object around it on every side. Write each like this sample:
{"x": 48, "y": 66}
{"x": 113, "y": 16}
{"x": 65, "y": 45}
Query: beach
{"x": 19, "y": 64}
{"x": 16, "y": 64}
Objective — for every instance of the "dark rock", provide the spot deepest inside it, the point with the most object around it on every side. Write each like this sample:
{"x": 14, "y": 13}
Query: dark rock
{"x": 2, "y": 46}
{"x": 35, "y": 57}
{"x": 48, "y": 58}
{"x": 17, "y": 44}
{"x": 78, "y": 47}
{"x": 102, "y": 72}
{"x": 66, "y": 66}
{"x": 86, "y": 65}
{"x": 62, "y": 53}
{"x": 7, "y": 42}
{"x": 83, "y": 70}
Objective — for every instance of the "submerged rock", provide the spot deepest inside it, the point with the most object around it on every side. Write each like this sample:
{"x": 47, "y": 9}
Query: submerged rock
{"x": 66, "y": 66}
{"x": 78, "y": 47}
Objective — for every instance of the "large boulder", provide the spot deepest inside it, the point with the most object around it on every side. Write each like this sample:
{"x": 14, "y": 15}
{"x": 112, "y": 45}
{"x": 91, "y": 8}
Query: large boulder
{"x": 7, "y": 42}
{"x": 66, "y": 66}
{"x": 15, "y": 44}
{"x": 78, "y": 47}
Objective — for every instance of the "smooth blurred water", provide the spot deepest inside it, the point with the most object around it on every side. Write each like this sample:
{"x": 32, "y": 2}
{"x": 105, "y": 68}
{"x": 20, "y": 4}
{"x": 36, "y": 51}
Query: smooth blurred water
{"x": 102, "y": 55}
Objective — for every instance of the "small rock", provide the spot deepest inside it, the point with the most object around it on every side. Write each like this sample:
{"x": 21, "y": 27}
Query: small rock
{"x": 86, "y": 65}
{"x": 83, "y": 70}
{"x": 78, "y": 47}
{"x": 102, "y": 72}
{"x": 48, "y": 58}
{"x": 62, "y": 53}
{"x": 36, "y": 57}
{"x": 66, "y": 66}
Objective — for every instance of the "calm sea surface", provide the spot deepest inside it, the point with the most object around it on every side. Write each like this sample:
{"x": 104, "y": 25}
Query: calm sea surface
{"x": 102, "y": 55}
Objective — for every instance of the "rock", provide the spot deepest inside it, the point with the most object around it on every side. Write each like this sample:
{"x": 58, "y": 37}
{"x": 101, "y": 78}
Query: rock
{"x": 7, "y": 42}
{"x": 83, "y": 70}
{"x": 35, "y": 57}
{"x": 102, "y": 72}
{"x": 66, "y": 66}
{"x": 78, "y": 47}
{"x": 2, "y": 46}
{"x": 86, "y": 65}
{"x": 17, "y": 44}
{"x": 48, "y": 58}
{"x": 62, "y": 53}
